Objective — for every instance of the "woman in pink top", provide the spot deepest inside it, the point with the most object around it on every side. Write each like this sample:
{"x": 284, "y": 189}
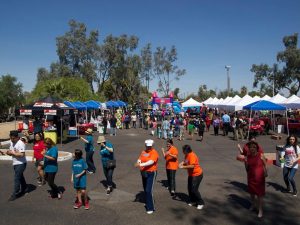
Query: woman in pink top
{"x": 38, "y": 149}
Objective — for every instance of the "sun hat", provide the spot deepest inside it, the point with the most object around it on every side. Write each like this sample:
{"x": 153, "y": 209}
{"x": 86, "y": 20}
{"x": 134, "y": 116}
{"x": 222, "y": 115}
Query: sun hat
{"x": 149, "y": 142}
{"x": 101, "y": 139}
{"x": 24, "y": 138}
{"x": 89, "y": 131}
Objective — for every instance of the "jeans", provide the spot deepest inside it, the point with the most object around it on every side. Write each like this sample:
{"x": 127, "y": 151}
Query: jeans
{"x": 108, "y": 175}
{"x": 226, "y": 128}
{"x": 49, "y": 177}
{"x": 288, "y": 176}
{"x": 148, "y": 179}
{"x": 113, "y": 131}
{"x": 216, "y": 130}
{"x": 19, "y": 178}
{"x": 193, "y": 186}
{"x": 90, "y": 161}
{"x": 171, "y": 179}
{"x": 134, "y": 124}
{"x": 165, "y": 133}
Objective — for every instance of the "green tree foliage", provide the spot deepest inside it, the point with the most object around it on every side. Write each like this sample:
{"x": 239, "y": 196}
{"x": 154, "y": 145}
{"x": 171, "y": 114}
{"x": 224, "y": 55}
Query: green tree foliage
{"x": 76, "y": 51}
{"x": 146, "y": 65}
{"x": 204, "y": 93}
{"x": 244, "y": 91}
{"x": 164, "y": 67}
{"x": 176, "y": 93}
{"x": 10, "y": 93}
{"x": 66, "y": 88}
{"x": 287, "y": 77}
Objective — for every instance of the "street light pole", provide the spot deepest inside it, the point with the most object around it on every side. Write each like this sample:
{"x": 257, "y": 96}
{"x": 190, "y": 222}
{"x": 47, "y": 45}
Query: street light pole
{"x": 228, "y": 79}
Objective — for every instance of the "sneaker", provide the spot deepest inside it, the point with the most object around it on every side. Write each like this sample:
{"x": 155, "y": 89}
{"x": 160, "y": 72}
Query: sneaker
{"x": 172, "y": 193}
{"x": 59, "y": 195}
{"x": 150, "y": 212}
{"x": 12, "y": 198}
{"x": 86, "y": 205}
{"x": 108, "y": 191}
{"x": 190, "y": 204}
{"x": 200, "y": 207}
{"x": 295, "y": 193}
{"x": 90, "y": 172}
{"x": 77, "y": 205}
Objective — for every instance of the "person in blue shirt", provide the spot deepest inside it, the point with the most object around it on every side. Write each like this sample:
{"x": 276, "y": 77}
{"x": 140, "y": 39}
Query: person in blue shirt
{"x": 78, "y": 179}
{"x": 89, "y": 150}
{"x": 50, "y": 166}
{"x": 226, "y": 123}
{"x": 107, "y": 153}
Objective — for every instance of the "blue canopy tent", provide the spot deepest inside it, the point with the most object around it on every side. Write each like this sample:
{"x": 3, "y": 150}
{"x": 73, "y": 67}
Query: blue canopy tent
{"x": 112, "y": 104}
{"x": 265, "y": 105}
{"x": 121, "y": 103}
{"x": 92, "y": 104}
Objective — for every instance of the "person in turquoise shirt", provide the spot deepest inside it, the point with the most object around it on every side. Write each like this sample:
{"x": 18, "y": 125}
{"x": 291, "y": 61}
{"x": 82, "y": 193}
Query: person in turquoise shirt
{"x": 107, "y": 153}
{"x": 78, "y": 178}
{"x": 50, "y": 167}
{"x": 89, "y": 150}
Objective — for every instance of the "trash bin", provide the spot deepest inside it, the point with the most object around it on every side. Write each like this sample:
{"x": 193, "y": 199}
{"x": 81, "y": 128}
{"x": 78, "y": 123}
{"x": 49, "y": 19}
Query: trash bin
{"x": 279, "y": 154}
{"x": 279, "y": 129}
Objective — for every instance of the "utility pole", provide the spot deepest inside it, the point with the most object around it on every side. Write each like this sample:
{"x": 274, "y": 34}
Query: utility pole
{"x": 228, "y": 79}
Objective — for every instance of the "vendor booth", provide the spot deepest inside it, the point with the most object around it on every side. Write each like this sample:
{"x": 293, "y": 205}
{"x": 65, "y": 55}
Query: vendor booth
{"x": 50, "y": 107}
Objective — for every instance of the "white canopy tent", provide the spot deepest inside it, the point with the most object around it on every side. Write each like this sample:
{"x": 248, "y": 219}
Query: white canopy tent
{"x": 191, "y": 103}
{"x": 231, "y": 103}
{"x": 208, "y": 100}
{"x": 266, "y": 97}
{"x": 278, "y": 99}
{"x": 212, "y": 102}
{"x": 293, "y": 105}
{"x": 221, "y": 105}
{"x": 291, "y": 99}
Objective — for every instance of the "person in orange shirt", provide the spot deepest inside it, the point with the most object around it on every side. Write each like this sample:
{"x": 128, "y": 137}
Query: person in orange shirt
{"x": 195, "y": 175}
{"x": 171, "y": 157}
{"x": 147, "y": 162}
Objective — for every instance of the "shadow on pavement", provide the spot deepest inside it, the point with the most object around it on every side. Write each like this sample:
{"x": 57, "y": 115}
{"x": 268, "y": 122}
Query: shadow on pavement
{"x": 164, "y": 183}
{"x": 140, "y": 197}
{"x": 277, "y": 187}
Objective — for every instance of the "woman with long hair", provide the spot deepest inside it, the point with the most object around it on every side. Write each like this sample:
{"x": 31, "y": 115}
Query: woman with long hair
{"x": 291, "y": 158}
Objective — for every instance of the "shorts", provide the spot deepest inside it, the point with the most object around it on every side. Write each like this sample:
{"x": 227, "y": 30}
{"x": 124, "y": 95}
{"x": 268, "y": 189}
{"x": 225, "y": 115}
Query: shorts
{"x": 39, "y": 162}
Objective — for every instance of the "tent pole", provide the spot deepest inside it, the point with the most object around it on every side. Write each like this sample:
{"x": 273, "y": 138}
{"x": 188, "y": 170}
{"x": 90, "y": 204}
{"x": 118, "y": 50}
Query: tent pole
{"x": 61, "y": 131}
{"x": 287, "y": 122}
{"x": 249, "y": 124}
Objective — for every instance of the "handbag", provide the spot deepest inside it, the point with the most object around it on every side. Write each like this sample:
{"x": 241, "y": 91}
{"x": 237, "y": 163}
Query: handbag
{"x": 111, "y": 164}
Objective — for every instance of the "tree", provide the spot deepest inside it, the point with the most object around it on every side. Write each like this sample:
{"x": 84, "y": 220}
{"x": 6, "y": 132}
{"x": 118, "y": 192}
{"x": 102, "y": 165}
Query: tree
{"x": 243, "y": 91}
{"x": 164, "y": 66}
{"x": 66, "y": 88}
{"x": 176, "y": 93}
{"x": 287, "y": 77}
{"x": 77, "y": 51}
{"x": 146, "y": 61}
{"x": 204, "y": 93}
{"x": 10, "y": 93}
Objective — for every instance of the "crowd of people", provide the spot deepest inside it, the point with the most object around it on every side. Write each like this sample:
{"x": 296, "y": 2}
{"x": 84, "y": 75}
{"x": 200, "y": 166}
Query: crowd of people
{"x": 168, "y": 127}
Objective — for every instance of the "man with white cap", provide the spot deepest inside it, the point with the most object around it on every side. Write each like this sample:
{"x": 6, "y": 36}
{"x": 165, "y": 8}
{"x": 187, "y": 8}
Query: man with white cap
{"x": 147, "y": 162}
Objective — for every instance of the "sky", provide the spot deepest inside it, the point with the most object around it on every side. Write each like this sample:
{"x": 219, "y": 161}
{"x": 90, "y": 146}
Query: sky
{"x": 208, "y": 34}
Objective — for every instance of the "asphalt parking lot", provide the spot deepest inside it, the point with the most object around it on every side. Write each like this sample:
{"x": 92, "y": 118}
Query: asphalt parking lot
{"x": 223, "y": 188}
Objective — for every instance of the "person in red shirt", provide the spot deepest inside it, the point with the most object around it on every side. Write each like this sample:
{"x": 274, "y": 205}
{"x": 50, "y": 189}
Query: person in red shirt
{"x": 195, "y": 175}
{"x": 147, "y": 162}
{"x": 38, "y": 149}
{"x": 171, "y": 157}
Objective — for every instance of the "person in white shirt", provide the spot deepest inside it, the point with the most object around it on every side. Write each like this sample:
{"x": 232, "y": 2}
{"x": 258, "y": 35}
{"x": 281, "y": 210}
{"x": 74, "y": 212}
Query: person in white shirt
{"x": 291, "y": 158}
{"x": 17, "y": 151}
